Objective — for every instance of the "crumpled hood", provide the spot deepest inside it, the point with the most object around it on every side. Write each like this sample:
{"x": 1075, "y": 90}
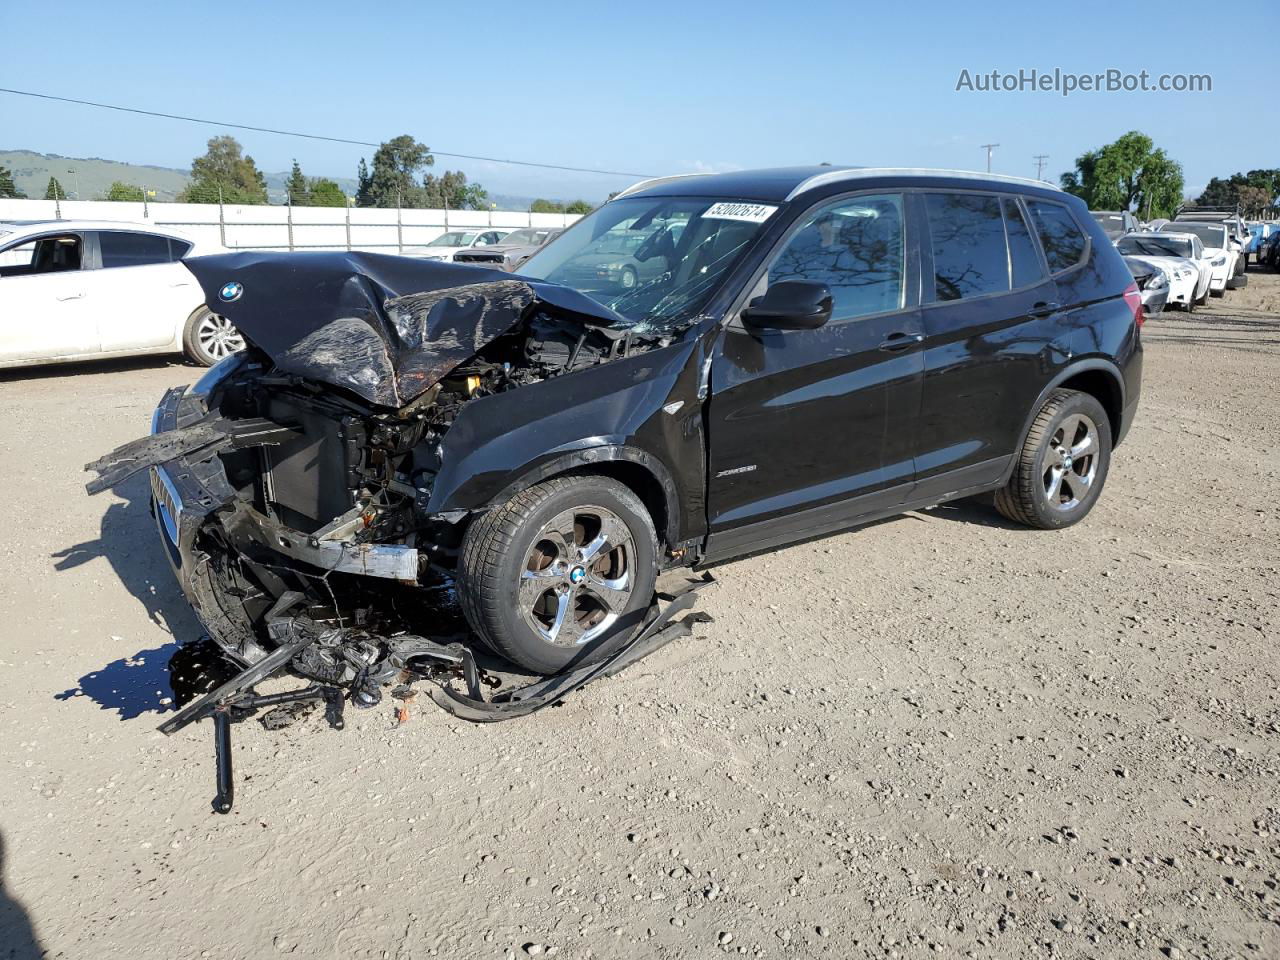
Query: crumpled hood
{"x": 385, "y": 328}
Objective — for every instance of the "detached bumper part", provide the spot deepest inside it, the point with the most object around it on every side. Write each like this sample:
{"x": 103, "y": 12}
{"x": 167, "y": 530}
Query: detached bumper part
{"x": 411, "y": 658}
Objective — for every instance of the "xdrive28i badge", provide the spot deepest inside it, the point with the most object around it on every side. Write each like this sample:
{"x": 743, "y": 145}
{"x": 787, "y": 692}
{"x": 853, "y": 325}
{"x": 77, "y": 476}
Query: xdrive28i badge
{"x": 230, "y": 291}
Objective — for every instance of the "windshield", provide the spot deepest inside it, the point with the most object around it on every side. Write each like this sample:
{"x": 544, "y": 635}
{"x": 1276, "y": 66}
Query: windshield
{"x": 1153, "y": 246}
{"x": 677, "y": 250}
{"x": 1112, "y": 224}
{"x": 527, "y": 238}
{"x": 1210, "y": 234}
{"x": 454, "y": 239}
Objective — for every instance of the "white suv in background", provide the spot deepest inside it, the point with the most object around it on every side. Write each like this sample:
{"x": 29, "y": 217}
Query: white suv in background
{"x": 80, "y": 289}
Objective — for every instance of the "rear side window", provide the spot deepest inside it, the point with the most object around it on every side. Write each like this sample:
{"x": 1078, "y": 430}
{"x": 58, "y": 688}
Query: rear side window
{"x": 854, "y": 247}
{"x": 1061, "y": 237}
{"x": 970, "y": 257}
{"x": 121, "y": 249}
{"x": 1024, "y": 262}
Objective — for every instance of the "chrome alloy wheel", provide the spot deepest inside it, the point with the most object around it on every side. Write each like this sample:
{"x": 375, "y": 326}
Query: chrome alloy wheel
{"x": 1069, "y": 463}
{"x": 577, "y": 578}
{"x": 217, "y": 336}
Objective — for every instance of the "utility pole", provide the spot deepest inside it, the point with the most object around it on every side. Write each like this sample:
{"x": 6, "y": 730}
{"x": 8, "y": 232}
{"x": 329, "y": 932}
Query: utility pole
{"x": 1040, "y": 158}
{"x": 988, "y": 147}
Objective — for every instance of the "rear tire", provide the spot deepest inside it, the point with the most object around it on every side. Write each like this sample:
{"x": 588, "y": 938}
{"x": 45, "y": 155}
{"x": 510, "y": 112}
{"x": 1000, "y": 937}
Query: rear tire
{"x": 207, "y": 338}
{"x": 1062, "y": 466}
{"x": 544, "y": 578}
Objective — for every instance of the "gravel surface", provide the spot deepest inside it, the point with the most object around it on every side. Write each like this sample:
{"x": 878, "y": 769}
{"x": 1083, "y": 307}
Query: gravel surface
{"x": 939, "y": 734}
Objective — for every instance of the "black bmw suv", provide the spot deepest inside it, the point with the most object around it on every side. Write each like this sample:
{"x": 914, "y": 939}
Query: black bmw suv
{"x": 817, "y": 347}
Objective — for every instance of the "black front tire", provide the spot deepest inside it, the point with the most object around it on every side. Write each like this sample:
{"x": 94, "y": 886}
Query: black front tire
{"x": 1063, "y": 464}
{"x": 526, "y": 561}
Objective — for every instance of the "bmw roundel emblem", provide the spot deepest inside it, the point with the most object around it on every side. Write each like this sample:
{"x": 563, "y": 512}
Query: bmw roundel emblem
{"x": 230, "y": 291}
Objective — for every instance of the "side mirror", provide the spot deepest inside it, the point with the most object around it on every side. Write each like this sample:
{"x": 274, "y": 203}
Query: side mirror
{"x": 790, "y": 305}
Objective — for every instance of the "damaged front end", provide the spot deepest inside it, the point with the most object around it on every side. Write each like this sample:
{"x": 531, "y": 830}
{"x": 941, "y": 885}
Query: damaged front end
{"x": 326, "y": 475}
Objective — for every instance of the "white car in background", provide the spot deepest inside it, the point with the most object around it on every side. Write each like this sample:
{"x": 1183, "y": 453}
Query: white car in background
{"x": 450, "y": 242}
{"x": 1223, "y": 252}
{"x": 81, "y": 289}
{"x": 1181, "y": 256}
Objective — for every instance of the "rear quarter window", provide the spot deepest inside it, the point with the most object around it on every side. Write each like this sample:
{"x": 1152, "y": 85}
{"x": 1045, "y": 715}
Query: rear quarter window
{"x": 1064, "y": 243}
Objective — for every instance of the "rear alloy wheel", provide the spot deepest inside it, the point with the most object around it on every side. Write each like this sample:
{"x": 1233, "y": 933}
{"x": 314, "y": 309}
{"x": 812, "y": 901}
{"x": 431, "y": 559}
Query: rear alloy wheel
{"x": 1063, "y": 464}
{"x": 550, "y": 578}
{"x": 209, "y": 337}
{"x": 628, "y": 279}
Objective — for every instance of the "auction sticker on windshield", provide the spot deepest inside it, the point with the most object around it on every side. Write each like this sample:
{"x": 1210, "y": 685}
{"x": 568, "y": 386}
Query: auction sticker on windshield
{"x": 750, "y": 212}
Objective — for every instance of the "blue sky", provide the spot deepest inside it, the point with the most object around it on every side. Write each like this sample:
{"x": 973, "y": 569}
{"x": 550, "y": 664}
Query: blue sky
{"x": 651, "y": 87}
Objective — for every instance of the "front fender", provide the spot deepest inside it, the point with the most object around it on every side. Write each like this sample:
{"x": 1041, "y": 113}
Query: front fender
{"x": 641, "y": 409}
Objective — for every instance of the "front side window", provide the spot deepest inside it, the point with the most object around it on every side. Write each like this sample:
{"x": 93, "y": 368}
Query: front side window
{"x": 120, "y": 249}
{"x": 56, "y": 254}
{"x": 970, "y": 255}
{"x": 856, "y": 248}
{"x": 1063, "y": 242}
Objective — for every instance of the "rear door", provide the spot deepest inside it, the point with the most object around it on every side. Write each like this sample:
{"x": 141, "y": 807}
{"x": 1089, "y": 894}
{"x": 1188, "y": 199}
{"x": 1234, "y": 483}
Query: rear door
{"x": 139, "y": 292}
{"x": 811, "y": 428}
{"x": 43, "y": 311}
{"x": 993, "y": 327}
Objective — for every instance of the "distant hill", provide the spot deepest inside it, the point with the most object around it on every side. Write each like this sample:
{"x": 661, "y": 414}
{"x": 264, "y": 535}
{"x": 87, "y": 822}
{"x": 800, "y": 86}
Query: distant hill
{"x": 93, "y": 176}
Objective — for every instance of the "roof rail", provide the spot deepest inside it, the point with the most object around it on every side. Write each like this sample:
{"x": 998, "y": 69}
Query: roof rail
{"x": 862, "y": 173}
{"x": 654, "y": 181}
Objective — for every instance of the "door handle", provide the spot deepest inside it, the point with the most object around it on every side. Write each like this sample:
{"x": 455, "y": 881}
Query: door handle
{"x": 72, "y": 296}
{"x": 1045, "y": 308}
{"x": 900, "y": 341}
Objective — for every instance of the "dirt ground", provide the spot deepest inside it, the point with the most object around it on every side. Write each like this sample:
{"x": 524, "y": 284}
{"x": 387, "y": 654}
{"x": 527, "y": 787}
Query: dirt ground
{"x": 938, "y": 735}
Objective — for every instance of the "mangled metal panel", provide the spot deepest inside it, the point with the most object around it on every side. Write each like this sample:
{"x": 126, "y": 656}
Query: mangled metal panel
{"x": 382, "y": 327}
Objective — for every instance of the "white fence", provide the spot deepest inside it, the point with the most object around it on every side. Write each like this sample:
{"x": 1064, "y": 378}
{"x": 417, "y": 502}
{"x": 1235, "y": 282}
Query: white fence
{"x": 287, "y": 228}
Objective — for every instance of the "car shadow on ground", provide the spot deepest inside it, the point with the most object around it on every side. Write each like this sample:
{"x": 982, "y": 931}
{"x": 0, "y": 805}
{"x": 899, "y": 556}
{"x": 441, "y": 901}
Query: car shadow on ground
{"x": 90, "y": 368}
{"x": 17, "y": 934}
{"x": 978, "y": 510}
{"x": 141, "y": 682}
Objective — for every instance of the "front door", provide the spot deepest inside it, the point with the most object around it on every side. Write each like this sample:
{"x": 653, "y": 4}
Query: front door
{"x": 43, "y": 311}
{"x": 809, "y": 429}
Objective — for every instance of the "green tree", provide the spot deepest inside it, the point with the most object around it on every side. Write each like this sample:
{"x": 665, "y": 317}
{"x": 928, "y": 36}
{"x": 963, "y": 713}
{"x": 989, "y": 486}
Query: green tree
{"x": 393, "y": 181}
{"x": 7, "y": 188}
{"x": 579, "y": 206}
{"x": 1130, "y": 174}
{"x": 54, "y": 190}
{"x": 298, "y": 191}
{"x": 451, "y": 190}
{"x": 1254, "y": 201}
{"x": 124, "y": 191}
{"x": 364, "y": 185}
{"x": 1242, "y": 190}
{"x": 322, "y": 192}
{"x": 546, "y": 206}
{"x": 225, "y": 172}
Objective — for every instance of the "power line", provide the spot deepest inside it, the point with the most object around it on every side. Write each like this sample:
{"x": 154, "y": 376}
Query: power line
{"x": 311, "y": 136}
{"x": 1040, "y": 159}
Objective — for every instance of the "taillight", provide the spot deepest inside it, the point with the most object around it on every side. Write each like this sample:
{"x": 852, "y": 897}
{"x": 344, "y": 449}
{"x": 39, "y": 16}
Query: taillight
{"x": 1133, "y": 297}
